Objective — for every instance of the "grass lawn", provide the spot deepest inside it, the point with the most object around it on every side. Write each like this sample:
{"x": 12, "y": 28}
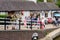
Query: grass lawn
{"x": 57, "y": 38}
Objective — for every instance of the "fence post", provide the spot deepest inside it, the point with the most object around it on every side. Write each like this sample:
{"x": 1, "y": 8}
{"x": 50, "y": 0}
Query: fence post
{"x": 5, "y": 24}
{"x": 19, "y": 24}
{"x": 31, "y": 23}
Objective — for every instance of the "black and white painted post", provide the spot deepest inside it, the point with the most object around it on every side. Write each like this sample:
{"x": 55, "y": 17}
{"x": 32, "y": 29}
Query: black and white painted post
{"x": 35, "y": 36}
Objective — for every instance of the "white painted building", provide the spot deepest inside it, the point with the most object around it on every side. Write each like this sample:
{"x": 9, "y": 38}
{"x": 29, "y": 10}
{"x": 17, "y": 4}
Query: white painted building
{"x": 45, "y": 0}
{"x": 42, "y": 14}
{"x": 32, "y": 0}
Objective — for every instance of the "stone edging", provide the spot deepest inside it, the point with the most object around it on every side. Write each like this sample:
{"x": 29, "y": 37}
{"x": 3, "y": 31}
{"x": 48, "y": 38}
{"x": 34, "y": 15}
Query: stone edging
{"x": 52, "y": 35}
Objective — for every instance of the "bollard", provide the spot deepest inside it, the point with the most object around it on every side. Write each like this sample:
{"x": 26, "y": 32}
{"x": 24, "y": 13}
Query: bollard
{"x": 35, "y": 36}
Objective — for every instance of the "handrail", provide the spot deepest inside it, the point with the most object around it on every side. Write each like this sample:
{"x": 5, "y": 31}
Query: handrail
{"x": 20, "y": 22}
{"x": 4, "y": 18}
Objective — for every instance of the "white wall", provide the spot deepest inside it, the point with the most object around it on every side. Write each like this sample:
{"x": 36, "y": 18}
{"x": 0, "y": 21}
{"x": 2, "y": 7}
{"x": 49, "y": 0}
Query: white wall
{"x": 33, "y": 0}
{"x": 42, "y": 14}
{"x": 25, "y": 14}
{"x": 45, "y": 0}
{"x": 49, "y": 14}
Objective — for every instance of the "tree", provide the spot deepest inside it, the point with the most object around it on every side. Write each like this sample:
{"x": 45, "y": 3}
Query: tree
{"x": 58, "y": 3}
{"x": 39, "y": 0}
{"x": 43, "y": 0}
{"x": 50, "y": 0}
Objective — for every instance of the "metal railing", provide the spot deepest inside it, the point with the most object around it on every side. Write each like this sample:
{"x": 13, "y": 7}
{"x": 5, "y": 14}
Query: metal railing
{"x": 6, "y": 21}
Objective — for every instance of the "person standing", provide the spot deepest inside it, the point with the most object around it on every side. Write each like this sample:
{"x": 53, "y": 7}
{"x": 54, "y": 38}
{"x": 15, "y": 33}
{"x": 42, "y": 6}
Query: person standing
{"x": 56, "y": 21}
{"x": 42, "y": 23}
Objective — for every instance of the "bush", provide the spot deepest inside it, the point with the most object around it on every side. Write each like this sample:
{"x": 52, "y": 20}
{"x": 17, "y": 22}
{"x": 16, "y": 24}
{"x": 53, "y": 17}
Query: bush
{"x": 3, "y": 16}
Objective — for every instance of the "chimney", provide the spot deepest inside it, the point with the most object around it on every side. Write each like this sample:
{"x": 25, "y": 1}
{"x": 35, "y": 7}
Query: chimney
{"x": 45, "y": 0}
{"x": 33, "y": 0}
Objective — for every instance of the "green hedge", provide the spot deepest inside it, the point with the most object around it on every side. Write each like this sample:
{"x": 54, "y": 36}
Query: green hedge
{"x": 3, "y": 16}
{"x": 40, "y": 0}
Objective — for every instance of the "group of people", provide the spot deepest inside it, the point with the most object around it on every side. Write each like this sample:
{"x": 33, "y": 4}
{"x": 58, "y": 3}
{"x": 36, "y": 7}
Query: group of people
{"x": 34, "y": 17}
{"x": 37, "y": 21}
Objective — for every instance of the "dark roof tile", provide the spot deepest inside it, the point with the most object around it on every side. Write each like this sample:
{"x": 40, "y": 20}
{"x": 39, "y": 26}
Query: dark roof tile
{"x": 47, "y": 6}
{"x": 17, "y": 5}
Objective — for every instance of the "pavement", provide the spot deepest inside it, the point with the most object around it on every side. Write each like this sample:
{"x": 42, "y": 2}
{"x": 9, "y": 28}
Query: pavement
{"x": 48, "y": 26}
{"x": 52, "y": 35}
{"x": 9, "y": 27}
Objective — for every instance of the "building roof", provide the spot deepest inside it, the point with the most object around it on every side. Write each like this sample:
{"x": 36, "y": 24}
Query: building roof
{"x": 17, "y": 5}
{"x": 11, "y": 0}
{"x": 47, "y": 6}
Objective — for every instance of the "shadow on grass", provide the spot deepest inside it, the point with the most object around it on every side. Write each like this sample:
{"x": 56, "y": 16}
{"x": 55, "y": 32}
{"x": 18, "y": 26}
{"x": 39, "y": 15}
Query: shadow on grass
{"x": 57, "y": 38}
